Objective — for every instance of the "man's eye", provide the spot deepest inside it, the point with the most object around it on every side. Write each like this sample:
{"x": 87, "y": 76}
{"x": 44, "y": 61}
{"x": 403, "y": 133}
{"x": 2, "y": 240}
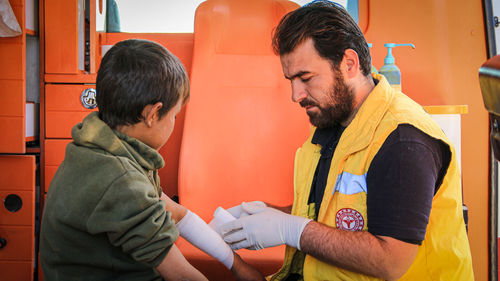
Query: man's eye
{"x": 305, "y": 79}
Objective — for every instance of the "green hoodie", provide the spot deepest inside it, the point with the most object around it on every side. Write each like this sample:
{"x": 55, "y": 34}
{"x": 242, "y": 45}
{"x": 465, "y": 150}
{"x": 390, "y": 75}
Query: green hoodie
{"x": 103, "y": 218}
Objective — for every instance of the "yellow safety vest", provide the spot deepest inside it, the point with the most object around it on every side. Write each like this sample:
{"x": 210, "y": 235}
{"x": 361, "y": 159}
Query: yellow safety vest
{"x": 444, "y": 253}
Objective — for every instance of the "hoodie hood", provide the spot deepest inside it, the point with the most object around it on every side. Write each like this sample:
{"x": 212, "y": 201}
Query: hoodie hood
{"x": 94, "y": 133}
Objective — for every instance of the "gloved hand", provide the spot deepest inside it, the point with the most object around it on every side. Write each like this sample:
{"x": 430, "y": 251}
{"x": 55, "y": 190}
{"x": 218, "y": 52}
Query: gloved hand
{"x": 238, "y": 212}
{"x": 264, "y": 227}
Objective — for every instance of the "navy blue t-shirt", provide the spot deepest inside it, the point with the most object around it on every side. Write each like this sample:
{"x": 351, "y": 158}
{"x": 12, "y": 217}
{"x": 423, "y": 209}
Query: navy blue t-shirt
{"x": 402, "y": 179}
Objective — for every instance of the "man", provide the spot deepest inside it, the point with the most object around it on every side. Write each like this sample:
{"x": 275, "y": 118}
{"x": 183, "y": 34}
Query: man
{"x": 377, "y": 184}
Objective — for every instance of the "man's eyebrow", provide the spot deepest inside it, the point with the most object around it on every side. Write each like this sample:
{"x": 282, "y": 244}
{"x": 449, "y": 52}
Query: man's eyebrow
{"x": 298, "y": 74}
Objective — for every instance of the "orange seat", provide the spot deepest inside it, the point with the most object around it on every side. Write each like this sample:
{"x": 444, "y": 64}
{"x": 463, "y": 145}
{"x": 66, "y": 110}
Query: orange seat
{"x": 241, "y": 128}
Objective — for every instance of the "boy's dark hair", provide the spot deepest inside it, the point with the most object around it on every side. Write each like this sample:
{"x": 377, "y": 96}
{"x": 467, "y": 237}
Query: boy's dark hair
{"x": 330, "y": 27}
{"x": 135, "y": 73}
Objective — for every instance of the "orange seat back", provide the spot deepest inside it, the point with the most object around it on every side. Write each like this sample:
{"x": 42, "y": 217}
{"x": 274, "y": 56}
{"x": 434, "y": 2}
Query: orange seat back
{"x": 241, "y": 127}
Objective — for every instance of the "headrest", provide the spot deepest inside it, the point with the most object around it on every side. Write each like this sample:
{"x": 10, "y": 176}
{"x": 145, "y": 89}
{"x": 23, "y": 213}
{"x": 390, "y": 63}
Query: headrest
{"x": 489, "y": 80}
{"x": 239, "y": 26}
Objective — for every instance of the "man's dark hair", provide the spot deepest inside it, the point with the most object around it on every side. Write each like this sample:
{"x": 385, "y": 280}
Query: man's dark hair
{"x": 135, "y": 73}
{"x": 330, "y": 27}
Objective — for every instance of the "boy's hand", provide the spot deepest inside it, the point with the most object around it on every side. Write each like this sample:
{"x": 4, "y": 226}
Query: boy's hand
{"x": 244, "y": 272}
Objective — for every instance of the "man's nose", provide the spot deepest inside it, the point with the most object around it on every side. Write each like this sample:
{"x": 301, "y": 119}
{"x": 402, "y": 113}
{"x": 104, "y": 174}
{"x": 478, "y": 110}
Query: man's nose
{"x": 298, "y": 92}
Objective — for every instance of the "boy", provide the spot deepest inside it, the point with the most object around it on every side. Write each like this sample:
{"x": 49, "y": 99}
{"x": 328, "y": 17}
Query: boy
{"x": 106, "y": 217}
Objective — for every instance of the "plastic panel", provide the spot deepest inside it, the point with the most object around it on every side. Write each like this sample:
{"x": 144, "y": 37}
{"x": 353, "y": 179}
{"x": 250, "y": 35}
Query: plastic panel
{"x": 63, "y": 109}
{"x": 54, "y": 155}
{"x": 241, "y": 129}
{"x": 17, "y": 179}
{"x": 181, "y": 45}
{"x": 61, "y": 36}
{"x": 12, "y": 83}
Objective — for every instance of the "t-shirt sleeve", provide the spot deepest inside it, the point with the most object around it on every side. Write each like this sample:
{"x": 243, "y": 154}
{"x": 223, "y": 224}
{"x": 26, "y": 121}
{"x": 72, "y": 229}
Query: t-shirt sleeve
{"x": 402, "y": 180}
{"x": 134, "y": 218}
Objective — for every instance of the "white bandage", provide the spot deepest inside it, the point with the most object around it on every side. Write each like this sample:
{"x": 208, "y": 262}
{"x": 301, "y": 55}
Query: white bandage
{"x": 198, "y": 233}
{"x": 221, "y": 216}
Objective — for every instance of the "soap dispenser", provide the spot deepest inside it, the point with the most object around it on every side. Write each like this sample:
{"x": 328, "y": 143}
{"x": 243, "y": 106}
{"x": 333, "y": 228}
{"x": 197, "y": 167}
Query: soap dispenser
{"x": 389, "y": 69}
{"x": 373, "y": 70}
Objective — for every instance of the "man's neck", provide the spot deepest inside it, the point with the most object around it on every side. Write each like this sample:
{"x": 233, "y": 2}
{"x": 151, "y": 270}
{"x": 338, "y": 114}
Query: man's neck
{"x": 362, "y": 89}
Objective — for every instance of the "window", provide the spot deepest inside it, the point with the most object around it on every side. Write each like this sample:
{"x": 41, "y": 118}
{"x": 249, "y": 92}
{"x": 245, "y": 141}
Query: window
{"x": 165, "y": 16}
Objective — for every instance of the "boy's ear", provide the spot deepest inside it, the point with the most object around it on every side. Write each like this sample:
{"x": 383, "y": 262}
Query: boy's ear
{"x": 150, "y": 113}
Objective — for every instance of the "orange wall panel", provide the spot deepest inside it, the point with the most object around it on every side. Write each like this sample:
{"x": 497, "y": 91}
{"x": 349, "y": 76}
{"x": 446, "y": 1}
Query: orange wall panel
{"x": 63, "y": 109}
{"x": 13, "y": 103}
{"x": 12, "y": 56}
{"x": 61, "y": 36}
{"x": 58, "y": 124}
{"x": 12, "y": 84}
{"x": 25, "y": 215}
{"x": 54, "y": 155}
{"x": 55, "y": 150}
{"x": 17, "y": 172}
{"x": 443, "y": 70}
{"x": 50, "y": 171}
{"x": 14, "y": 270}
{"x": 60, "y": 97}
{"x": 170, "y": 153}
{"x": 20, "y": 243}
{"x": 181, "y": 45}
{"x": 13, "y": 135}
{"x": 17, "y": 176}
{"x": 20, "y": 13}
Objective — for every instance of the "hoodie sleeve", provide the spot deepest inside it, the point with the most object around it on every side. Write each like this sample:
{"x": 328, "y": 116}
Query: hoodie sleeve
{"x": 134, "y": 218}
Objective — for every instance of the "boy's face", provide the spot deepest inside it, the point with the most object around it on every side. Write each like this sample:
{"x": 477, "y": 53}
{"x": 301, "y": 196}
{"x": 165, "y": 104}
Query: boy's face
{"x": 162, "y": 128}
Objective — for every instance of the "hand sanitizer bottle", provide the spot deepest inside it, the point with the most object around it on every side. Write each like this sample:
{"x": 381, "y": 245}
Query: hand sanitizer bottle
{"x": 389, "y": 69}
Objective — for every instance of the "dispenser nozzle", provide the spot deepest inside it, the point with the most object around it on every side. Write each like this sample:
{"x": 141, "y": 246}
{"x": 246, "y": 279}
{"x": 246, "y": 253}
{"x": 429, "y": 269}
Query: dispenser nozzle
{"x": 389, "y": 59}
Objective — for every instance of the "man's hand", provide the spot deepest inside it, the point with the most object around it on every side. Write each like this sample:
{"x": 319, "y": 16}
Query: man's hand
{"x": 238, "y": 211}
{"x": 264, "y": 227}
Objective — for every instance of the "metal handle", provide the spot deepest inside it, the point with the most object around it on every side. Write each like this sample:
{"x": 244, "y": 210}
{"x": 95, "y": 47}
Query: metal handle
{"x": 88, "y": 98}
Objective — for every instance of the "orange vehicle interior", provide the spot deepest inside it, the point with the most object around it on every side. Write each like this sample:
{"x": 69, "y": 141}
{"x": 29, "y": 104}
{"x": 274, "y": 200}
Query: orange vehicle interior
{"x": 236, "y": 138}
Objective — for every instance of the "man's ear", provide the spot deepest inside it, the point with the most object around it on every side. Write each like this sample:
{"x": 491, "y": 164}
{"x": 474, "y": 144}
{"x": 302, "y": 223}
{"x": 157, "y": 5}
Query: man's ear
{"x": 350, "y": 63}
{"x": 150, "y": 113}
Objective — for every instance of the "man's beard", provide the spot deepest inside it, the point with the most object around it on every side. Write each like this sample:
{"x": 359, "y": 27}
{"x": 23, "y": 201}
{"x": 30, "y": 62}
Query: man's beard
{"x": 337, "y": 110}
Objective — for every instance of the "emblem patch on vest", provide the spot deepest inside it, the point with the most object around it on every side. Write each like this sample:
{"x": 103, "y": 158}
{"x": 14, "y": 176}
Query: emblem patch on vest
{"x": 349, "y": 219}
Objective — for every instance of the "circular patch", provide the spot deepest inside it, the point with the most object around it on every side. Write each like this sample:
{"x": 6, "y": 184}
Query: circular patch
{"x": 349, "y": 219}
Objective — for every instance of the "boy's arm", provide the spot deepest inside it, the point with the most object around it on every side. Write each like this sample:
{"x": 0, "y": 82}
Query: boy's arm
{"x": 175, "y": 267}
{"x": 244, "y": 272}
{"x": 199, "y": 234}
{"x": 178, "y": 211}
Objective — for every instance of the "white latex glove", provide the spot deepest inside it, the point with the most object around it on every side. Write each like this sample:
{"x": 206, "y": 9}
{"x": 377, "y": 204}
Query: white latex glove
{"x": 264, "y": 227}
{"x": 238, "y": 212}
{"x": 221, "y": 217}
